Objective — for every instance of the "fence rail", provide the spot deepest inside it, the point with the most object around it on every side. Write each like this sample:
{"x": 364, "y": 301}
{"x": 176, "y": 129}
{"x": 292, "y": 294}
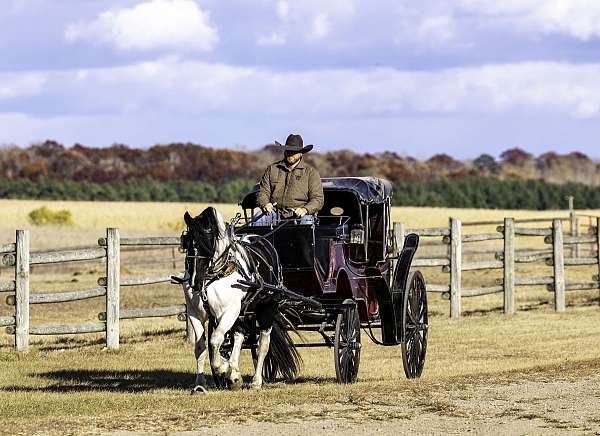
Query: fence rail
{"x": 143, "y": 280}
{"x": 518, "y": 220}
{"x": 153, "y": 312}
{"x": 152, "y": 240}
{"x": 8, "y": 248}
{"x": 61, "y": 297}
{"x": 7, "y": 321}
{"x": 7, "y": 286}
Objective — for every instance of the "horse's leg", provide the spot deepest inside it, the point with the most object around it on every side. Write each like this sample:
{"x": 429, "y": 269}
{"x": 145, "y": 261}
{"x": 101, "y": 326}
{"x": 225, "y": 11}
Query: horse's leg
{"x": 198, "y": 317}
{"x": 200, "y": 351}
{"x": 234, "y": 362}
{"x": 264, "y": 341}
{"x": 229, "y": 317}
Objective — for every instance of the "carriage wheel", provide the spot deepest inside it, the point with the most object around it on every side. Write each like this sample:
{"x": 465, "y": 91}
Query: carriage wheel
{"x": 347, "y": 343}
{"x": 221, "y": 382}
{"x": 414, "y": 325}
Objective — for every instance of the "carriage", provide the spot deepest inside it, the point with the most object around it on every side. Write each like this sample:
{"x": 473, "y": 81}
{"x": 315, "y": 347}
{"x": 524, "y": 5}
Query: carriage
{"x": 341, "y": 274}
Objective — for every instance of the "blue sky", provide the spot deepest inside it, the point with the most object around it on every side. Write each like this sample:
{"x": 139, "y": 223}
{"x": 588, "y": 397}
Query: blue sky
{"x": 460, "y": 77}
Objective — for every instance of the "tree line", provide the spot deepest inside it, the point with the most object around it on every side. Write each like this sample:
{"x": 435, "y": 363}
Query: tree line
{"x": 464, "y": 193}
{"x": 187, "y": 161}
{"x": 487, "y": 193}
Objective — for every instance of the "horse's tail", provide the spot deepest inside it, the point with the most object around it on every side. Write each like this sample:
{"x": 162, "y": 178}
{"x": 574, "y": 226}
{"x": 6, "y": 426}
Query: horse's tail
{"x": 283, "y": 357}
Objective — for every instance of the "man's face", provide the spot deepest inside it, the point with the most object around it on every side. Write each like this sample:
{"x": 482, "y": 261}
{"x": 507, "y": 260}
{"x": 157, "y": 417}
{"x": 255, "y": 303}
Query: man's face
{"x": 291, "y": 157}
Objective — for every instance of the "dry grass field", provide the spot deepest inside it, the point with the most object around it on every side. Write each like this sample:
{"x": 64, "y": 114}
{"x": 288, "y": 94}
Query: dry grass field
{"x": 533, "y": 372}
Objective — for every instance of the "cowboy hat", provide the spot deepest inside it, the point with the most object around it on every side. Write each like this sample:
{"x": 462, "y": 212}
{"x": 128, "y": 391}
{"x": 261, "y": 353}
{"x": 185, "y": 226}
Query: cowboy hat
{"x": 295, "y": 143}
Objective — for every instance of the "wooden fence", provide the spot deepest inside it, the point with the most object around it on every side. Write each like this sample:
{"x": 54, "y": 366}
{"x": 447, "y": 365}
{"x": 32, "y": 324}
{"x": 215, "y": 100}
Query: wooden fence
{"x": 507, "y": 231}
{"x": 457, "y": 247}
{"x": 18, "y": 256}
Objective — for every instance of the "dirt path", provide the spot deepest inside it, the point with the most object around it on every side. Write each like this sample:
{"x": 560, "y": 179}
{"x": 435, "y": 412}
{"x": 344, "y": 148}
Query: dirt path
{"x": 564, "y": 400}
{"x": 533, "y": 407}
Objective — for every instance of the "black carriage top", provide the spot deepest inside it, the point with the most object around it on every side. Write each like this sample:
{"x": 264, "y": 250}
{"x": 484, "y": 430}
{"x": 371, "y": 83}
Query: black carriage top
{"x": 367, "y": 189}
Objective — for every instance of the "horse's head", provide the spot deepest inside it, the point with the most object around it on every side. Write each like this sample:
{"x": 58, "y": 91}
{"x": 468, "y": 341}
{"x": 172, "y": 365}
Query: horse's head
{"x": 201, "y": 240}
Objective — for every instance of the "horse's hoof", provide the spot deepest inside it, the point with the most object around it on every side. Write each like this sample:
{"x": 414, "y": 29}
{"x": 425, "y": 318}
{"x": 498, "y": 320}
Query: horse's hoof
{"x": 236, "y": 385}
{"x": 199, "y": 389}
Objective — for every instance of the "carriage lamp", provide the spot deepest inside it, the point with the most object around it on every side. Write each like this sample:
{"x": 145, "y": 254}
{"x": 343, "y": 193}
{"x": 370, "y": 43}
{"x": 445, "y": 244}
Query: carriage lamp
{"x": 357, "y": 235}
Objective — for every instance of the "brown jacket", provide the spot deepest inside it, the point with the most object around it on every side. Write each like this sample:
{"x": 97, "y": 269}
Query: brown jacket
{"x": 300, "y": 187}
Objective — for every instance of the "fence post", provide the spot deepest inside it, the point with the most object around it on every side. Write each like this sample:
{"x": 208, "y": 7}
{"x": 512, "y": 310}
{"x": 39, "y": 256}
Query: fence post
{"x": 570, "y": 199}
{"x": 559, "y": 266}
{"x": 509, "y": 265}
{"x": 455, "y": 267}
{"x": 113, "y": 264}
{"x": 574, "y": 231}
{"x": 577, "y": 233}
{"x": 22, "y": 291}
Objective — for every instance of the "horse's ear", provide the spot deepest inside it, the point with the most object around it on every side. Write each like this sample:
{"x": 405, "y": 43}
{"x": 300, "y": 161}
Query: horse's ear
{"x": 188, "y": 219}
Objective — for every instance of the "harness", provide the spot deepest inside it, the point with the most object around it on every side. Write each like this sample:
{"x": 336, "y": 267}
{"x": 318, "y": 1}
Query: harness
{"x": 257, "y": 252}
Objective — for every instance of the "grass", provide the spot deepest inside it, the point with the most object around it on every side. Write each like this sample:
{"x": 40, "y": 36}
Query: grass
{"x": 72, "y": 384}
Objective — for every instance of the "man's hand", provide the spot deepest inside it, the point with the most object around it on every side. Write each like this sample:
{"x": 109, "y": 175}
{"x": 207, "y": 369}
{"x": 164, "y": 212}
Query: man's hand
{"x": 300, "y": 211}
{"x": 269, "y": 207}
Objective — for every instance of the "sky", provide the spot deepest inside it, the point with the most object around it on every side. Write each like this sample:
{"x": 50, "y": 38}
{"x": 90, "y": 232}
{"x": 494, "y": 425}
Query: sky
{"x": 461, "y": 77}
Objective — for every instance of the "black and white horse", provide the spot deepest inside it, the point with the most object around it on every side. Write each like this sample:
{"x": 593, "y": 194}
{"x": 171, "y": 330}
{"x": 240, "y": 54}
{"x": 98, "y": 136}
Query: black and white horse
{"x": 216, "y": 261}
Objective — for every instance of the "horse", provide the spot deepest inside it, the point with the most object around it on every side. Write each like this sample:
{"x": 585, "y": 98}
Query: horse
{"x": 216, "y": 261}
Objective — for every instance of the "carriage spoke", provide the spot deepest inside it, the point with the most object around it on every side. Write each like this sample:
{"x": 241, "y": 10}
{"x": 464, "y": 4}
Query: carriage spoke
{"x": 346, "y": 358}
{"x": 412, "y": 317}
{"x": 422, "y": 312}
{"x": 410, "y": 334}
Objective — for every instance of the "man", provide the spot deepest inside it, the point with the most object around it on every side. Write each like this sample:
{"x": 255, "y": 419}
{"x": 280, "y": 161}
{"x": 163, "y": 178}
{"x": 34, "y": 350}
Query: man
{"x": 290, "y": 188}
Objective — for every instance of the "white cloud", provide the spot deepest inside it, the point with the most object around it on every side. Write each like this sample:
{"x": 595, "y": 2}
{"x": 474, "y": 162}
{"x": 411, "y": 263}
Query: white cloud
{"x": 437, "y": 29}
{"x": 576, "y": 18}
{"x": 462, "y": 24}
{"x": 20, "y": 85}
{"x": 433, "y": 25}
{"x": 283, "y": 9}
{"x": 187, "y": 87}
{"x": 311, "y": 20}
{"x": 171, "y": 99}
{"x": 320, "y": 26}
{"x": 153, "y": 25}
{"x": 272, "y": 39}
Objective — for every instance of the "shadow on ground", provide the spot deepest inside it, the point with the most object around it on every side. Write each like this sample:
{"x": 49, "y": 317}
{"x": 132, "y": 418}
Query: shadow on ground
{"x": 69, "y": 381}
{"x": 109, "y": 381}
